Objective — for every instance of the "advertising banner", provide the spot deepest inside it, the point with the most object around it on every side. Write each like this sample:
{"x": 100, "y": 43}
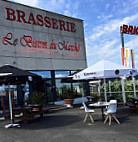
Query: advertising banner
{"x": 122, "y": 55}
{"x": 132, "y": 59}
{"x": 126, "y": 53}
{"x": 125, "y": 56}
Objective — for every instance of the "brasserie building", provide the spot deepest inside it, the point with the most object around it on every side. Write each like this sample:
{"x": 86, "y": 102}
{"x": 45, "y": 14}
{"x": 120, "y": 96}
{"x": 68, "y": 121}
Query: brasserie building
{"x": 46, "y": 43}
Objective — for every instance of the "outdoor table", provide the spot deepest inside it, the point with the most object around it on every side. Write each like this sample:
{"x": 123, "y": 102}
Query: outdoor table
{"x": 22, "y": 109}
{"x": 37, "y": 109}
{"x": 28, "y": 112}
{"x": 101, "y": 105}
{"x": 22, "y": 113}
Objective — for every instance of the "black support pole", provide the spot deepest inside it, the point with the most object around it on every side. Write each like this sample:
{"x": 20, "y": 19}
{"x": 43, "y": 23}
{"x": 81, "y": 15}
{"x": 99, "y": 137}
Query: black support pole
{"x": 20, "y": 96}
{"x": 53, "y": 88}
{"x": 122, "y": 37}
{"x": 87, "y": 88}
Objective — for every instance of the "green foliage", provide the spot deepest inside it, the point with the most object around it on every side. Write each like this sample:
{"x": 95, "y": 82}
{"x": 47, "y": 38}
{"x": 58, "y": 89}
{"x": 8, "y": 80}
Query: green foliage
{"x": 117, "y": 96}
{"x": 116, "y": 86}
{"x": 129, "y": 85}
{"x": 37, "y": 98}
{"x": 70, "y": 94}
{"x": 136, "y": 84}
{"x": 94, "y": 94}
{"x": 129, "y": 96}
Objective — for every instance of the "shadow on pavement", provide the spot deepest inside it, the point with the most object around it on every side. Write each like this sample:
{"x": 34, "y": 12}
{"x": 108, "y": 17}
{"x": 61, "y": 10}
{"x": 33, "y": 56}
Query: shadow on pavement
{"x": 50, "y": 121}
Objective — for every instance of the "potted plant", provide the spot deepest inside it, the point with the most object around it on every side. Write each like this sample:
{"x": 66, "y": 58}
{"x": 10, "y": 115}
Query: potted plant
{"x": 69, "y": 98}
{"x": 37, "y": 99}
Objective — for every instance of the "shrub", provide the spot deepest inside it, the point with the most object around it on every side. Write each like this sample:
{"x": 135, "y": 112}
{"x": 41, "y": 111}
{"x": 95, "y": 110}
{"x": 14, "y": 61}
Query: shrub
{"x": 37, "y": 98}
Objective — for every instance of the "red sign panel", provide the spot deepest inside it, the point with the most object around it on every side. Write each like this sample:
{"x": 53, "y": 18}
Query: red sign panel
{"x": 127, "y": 29}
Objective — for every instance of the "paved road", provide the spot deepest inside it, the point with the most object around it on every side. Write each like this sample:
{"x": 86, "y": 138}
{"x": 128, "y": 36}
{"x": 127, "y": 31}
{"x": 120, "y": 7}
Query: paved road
{"x": 67, "y": 126}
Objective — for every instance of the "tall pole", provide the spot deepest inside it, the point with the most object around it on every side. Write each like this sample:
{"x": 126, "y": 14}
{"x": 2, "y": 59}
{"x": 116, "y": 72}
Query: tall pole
{"x": 122, "y": 37}
{"x": 122, "y": 41}
{"x": 105, "y": 95}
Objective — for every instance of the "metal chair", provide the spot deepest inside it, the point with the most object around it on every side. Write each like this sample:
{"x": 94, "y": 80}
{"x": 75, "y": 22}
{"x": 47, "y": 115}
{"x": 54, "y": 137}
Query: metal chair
{"x": 88, "y": 112}
{"x": 111, "y": 111}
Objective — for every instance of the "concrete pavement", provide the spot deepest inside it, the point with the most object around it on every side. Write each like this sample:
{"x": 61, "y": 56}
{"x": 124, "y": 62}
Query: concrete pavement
{"x": 67, "y": 126}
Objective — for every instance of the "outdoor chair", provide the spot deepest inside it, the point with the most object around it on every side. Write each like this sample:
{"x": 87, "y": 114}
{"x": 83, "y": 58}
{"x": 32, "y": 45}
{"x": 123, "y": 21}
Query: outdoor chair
{"x": 111, "y": 111}
{"x": 88, "y": 112}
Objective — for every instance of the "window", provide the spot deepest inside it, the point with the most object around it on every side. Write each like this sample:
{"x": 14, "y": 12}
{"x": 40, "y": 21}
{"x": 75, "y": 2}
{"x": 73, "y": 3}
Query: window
{"x": 61, "y": 74}
{"x": 43, "y": 74}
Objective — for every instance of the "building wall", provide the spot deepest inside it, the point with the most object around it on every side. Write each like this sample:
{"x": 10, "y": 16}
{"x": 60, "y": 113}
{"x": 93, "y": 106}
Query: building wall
{"x": 34, "y": 39}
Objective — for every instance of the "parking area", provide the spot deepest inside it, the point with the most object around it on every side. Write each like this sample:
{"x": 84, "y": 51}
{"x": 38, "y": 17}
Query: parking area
{"x": 67, "y": 126}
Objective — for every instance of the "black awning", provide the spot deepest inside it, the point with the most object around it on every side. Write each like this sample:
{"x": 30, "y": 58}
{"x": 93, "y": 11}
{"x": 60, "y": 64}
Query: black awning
{"x": 16, "y": 75}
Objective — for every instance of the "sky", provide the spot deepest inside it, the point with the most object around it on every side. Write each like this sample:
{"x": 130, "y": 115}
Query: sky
{"x": 102, "y": 21}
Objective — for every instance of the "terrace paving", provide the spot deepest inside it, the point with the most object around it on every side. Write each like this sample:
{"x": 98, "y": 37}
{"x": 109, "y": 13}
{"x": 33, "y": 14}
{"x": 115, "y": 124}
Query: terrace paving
{"x": 67, "y": 126}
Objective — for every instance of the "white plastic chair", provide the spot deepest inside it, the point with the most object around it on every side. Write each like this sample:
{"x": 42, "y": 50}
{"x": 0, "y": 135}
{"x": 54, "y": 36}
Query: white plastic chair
{"x": 111, "y": 110}
{"x": 88, "y": 112}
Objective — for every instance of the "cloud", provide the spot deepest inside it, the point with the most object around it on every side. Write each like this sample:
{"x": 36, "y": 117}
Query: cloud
{"x": 60, "y": 6}
{"x": 107, "y": 6}
{"x": 110, "y": 26}
{"x": 104, "y": 42}
{"x": 71, "y": 10}
{"x": 27, "y": 2}
{"x": 103, "y": 17}
{"x": 107, "y": 49}
{"x": 53, "y": 5}
{"x": 134, "y": 3}
{"x": 133, "y": 44}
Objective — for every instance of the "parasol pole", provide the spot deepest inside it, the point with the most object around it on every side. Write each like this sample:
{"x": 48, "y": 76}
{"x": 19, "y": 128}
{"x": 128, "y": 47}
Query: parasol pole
{"x": 123, "y": 90}
{"x": 11, "y": 114}
{"x": 82, "y": 94}
{"x": 10, "y": 104}
{"x": 110, "y": 88}
{"x": 105, "y": 95}
{"x": 99, "y": 88}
